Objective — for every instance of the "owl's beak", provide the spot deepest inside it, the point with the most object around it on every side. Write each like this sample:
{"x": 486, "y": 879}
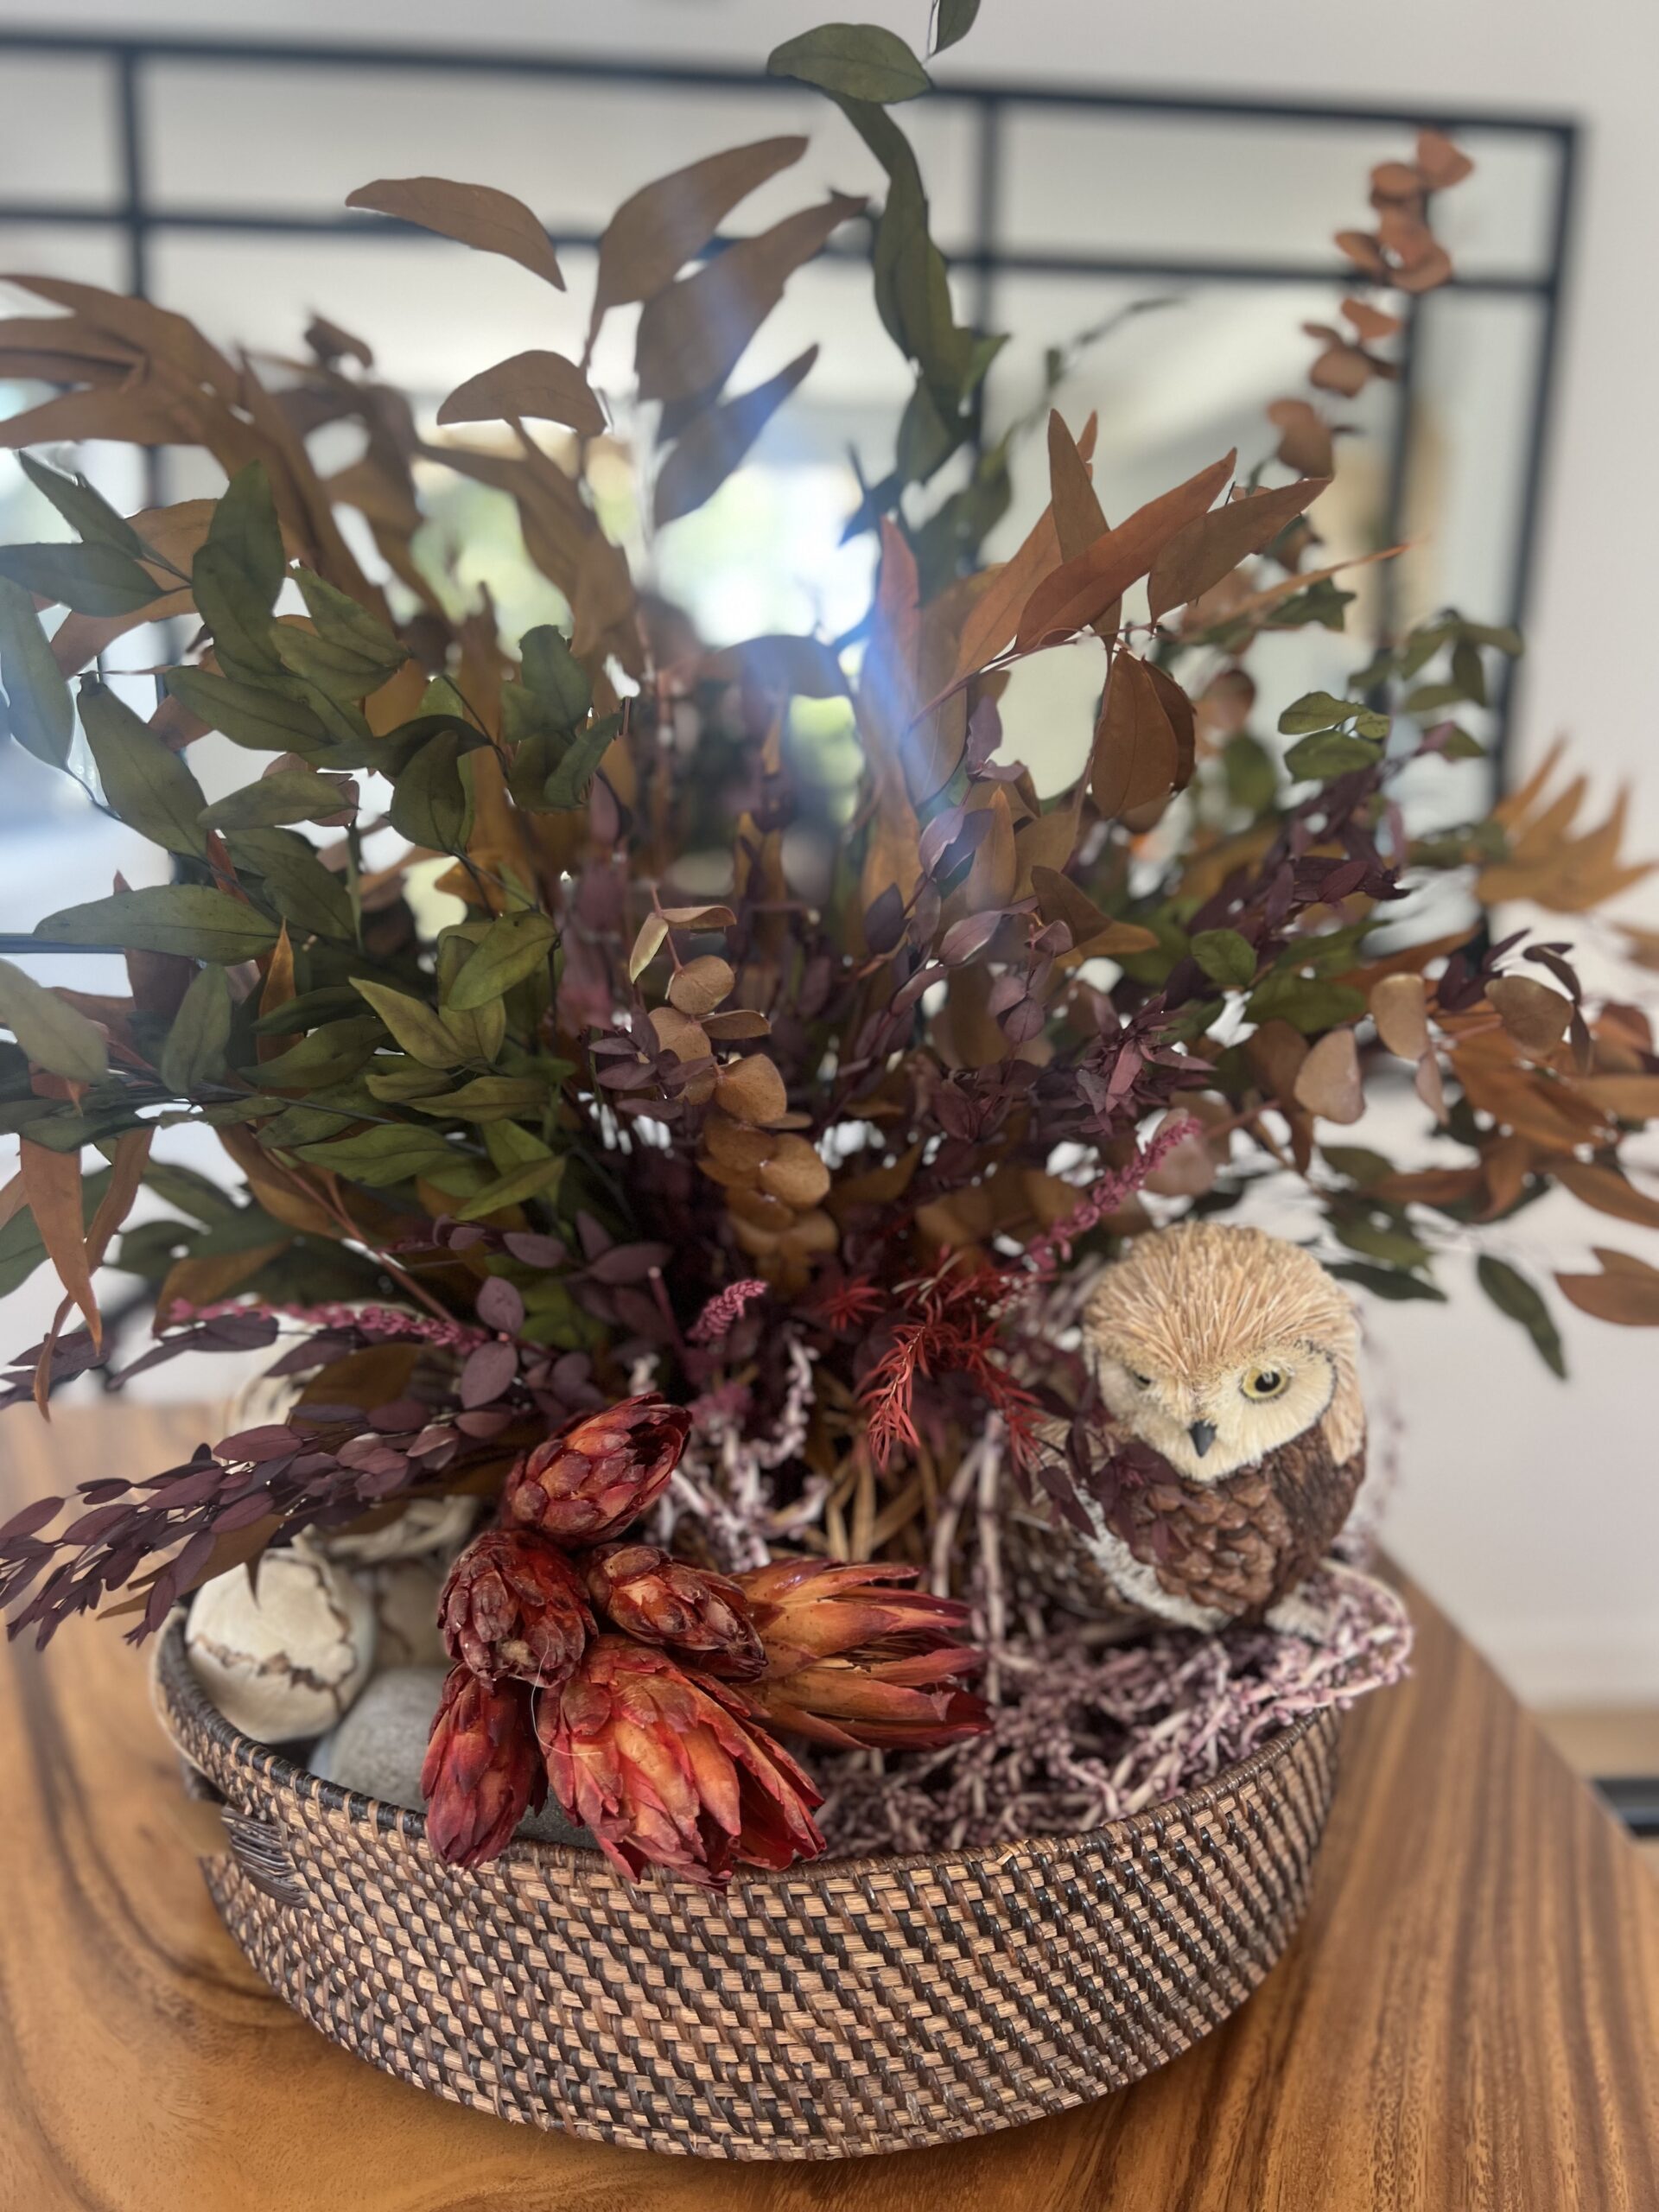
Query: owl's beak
{"x": 1202, "y": 1433}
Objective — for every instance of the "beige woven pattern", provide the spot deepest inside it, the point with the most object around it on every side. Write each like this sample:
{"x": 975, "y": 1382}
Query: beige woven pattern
{"x": 850, "y": 2006}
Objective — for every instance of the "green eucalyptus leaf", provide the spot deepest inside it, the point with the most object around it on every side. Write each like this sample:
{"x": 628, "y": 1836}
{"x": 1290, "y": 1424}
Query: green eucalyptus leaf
{"x": 857, "y": 61}
{"x": 512, "y": 947}
{"x": 253, "y": 714}
{"x": 555, "y": 676}
{"x": 1315, "y": 710}
{"x": 1503, "y": 640}
{"x": 1226, "y": 958}
{"x": 236, "y": 612}
{"x": 39, "y": 705}
{"x": 573, "y": 773}
{"x": 245, "y": 529}
{"x": 1459, "y": 744}
{"x": 1395, "y": 1246}
{"x": 1357, "y": 1162}
{"x": 331, "y": 1002}
{"x": 1387, "y": 1282}
{"x": 196, "y": 1044}
{"x": 386, "y": 1153}
{"x": 1304, "y": 1001}
{"x": 1520, "y": 1300}
{"x": 418, "y": 1028}
{"x": 1330, "y": 752}
{"x": 91, "y": 579}
{"x": 192, "y": 1194}
{"x": 956, "y": 20}
{"x": 331, "y": 1054}
{"x": 87, "y": 512}
{"x": 396, "y": 1082}
{"x": 55, "y": 1035}
{"x": 431, "y": 802}
{"x": 304, "y": 893}
{"x": 188, "y": 918}
{"x": 536, "y": 1177}
{"x": 490, "y": 1098}
{"x": 144, "y": 781}
{"x": 289, "y": 795}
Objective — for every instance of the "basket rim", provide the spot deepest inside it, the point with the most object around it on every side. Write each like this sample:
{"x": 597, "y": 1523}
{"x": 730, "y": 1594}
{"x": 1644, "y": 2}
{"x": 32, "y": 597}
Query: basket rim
{"x": 174, "y": 1682}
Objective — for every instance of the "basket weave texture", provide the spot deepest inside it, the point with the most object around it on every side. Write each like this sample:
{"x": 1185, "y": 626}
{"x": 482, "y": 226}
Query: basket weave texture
{"x": 844, "y": 2007}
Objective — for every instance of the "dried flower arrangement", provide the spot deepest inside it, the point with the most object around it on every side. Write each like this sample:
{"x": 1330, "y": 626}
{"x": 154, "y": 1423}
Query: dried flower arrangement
{"x": 764, "y": 1212}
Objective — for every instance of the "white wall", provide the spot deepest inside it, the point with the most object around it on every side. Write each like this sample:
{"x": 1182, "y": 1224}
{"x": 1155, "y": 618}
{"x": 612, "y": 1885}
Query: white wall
{"x": 1530, "y": 1509}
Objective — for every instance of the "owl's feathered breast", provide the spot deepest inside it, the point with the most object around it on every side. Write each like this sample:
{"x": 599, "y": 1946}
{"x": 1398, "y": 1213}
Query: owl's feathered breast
{"x": 1242, "y": 1542}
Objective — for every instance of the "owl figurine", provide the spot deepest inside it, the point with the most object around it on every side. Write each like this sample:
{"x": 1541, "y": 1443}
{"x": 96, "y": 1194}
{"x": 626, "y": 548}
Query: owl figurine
{"x": 1229, "y": 1440}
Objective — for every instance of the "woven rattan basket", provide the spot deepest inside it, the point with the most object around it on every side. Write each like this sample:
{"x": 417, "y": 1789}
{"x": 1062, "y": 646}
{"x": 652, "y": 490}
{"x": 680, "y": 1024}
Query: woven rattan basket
{"x": 848, "y": 2006}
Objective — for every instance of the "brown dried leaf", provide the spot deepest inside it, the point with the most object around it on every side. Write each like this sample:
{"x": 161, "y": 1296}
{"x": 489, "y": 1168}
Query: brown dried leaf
{"x": 1304, "y": 439}
{"x": 714, "y": 442}
{"x": 1604, "y": 1189}
{"x": 1627, "y": 1292}
{"x": 475, "y": 214}
{"x": 538, "y": 384}
{"x": 667, "y": 223}
{"x": 995, "y": 614}
{"x": 1079, "y": 591}
{"x": 1400, "y": 1009}
{"x": 751, "y": 1091}
{"x": 1060, "y": 899}
{"x": 1371, "y": 322}
{"x": 996, "y": 865}
{"x": 1327, "y": 1082}
{"x": 741, "y": 1022}
{"x": 692, "y": 332}
{"x": 653, "y": 933}
{"x": 1429, "y": 1087}
{"x": 1137, "y": 755}
{"x": 52, "y": 1184}
{"x": 1211, "y": 546}
{"x": 698, "y": 918}
{"x": 1535, "y": 1016}
{"x": 795, "y": 1174}
{"x": 1439, "y": 162}
{"x": 678, "y": 1033}
{"x": 698, "y": 987}
{"x": 1631, "y": 1097}
{"x": 1078, "y": 518}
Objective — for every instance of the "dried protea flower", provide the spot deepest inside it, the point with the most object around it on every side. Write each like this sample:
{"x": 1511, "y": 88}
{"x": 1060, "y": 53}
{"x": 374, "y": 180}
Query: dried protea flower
{"x": 513, "y": 1605}
{"x": 910, "y": 1703}
{"x": 483, "y": 1770}
{"x": 695, "y": 1615}
{"x": 852, "y": 1659}
{"x": 667, "y": 1772}
{"x": 807, "y": 1608}
{"x": 599, "y": 1471}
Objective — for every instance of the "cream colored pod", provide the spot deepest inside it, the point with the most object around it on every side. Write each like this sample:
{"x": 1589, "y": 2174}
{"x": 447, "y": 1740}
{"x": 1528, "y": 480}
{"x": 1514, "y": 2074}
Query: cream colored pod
{"x": 287, "y": 1661}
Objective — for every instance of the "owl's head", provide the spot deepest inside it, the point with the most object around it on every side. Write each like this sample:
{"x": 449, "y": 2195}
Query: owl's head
{"x": 1216, "y": 1345}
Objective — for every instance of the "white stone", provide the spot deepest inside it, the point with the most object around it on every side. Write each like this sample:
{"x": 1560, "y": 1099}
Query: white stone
{"x": 439, "y": 1525}
{"x": 378, "y": 1749}
{"x": 287, "y": 1661}
{"x": 405, "y": 1596}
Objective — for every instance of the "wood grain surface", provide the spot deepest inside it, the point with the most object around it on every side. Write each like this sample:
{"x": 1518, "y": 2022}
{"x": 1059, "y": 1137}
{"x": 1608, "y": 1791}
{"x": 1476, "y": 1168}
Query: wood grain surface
{"x": 1469, "y": 2017}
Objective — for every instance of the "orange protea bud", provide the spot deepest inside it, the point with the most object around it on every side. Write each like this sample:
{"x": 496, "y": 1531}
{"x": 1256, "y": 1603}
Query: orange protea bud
{"x": 697, "y": 1616}
{"x": 853, "y": 1658}
{"x": 667, "y": 1771}
{"x": 807, "y": 1608}
{"x": 599, "y": 1471}
{"x": 483, "y": 1771}
{"x": 904, "y": 1703}
{"x": 513, "y": 1605}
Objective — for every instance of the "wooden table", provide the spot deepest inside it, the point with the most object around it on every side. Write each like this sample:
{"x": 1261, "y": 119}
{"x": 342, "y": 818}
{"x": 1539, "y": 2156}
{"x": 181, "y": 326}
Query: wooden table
{"x": 1468, "y": 2017}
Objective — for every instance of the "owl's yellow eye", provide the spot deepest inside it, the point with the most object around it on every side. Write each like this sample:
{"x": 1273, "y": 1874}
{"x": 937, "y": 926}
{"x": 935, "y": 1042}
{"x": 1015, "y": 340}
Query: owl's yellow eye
{"x": 1265, "y": 1382}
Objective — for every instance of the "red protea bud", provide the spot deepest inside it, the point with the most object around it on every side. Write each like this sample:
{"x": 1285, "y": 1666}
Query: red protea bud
{"x": 513, "y": 1605}
{"x": 852, "y": 1659}
{"x": 910, "y": 1703}
{"x": 697, "y": 1616}
{"x": 483, "y": 1769}
{"x": 807, "y": 1608}
{"x": 667, "y": 1771}
{"x": 599, "y": 1471}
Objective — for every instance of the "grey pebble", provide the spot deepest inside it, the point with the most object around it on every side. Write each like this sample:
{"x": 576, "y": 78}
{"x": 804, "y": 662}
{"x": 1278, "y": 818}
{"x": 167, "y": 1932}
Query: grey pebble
{"x": 378, "y": 1747}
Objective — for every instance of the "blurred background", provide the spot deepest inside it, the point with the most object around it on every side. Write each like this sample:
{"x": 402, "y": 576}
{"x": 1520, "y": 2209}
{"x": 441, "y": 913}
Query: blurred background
{"x": 1145, "y": 200}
